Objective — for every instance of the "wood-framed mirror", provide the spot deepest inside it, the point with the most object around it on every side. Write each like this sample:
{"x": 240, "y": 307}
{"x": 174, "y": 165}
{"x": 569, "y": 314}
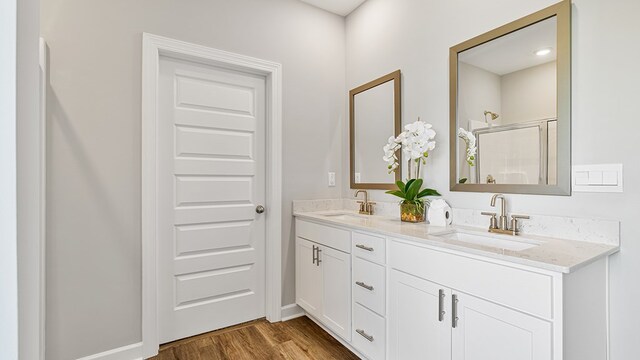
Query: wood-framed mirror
{"x": 510, "y": 107}
{"x": 374, "y": 116}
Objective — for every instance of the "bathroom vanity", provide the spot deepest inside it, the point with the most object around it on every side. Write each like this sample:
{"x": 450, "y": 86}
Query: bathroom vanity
{"x": 392, "y": 290}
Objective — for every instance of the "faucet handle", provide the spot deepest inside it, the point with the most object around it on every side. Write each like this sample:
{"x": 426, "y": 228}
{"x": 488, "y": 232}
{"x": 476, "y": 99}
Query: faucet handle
{"x": 514, "y": 222}
{"x": 493, "y": 221}
{"x": 369, "y": 208}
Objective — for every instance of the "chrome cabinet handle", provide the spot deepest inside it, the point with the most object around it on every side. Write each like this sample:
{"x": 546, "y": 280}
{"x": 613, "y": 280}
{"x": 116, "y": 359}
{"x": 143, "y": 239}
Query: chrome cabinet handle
{"x": 364, "y": 247}
{"x": 364, "y": 334}
{"x": 441, "y": 311}
{"x": 454, "y": 311}
{"x": 318, "y": 261}
{"x": 259, "y": 209}
{"x": 361, "y": 284}
{"x": 314, "y": 254}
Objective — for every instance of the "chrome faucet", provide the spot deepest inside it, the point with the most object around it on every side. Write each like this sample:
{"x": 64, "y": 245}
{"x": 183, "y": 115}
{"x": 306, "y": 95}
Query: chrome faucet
{"x": 501, "y": 225}
{"x": 366, "y": 206}
{"x": 502, "y": 222}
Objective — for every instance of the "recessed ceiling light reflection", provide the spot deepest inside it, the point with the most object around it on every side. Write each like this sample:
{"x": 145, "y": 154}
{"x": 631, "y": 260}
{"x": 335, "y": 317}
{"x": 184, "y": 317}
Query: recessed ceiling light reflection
{"x": 543, "y": 52}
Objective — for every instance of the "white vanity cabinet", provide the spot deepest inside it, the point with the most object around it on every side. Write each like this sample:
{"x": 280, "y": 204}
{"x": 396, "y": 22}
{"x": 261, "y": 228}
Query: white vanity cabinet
{"x": 405, "y": 299}
{"x": 323, "y": 275}
{"x": 369, "y": 294}
{"x": 421, "y": 325}
{"x": 308, "y": 277}
{"x": 487, "y": 331}
{"x": 449, "y": 306}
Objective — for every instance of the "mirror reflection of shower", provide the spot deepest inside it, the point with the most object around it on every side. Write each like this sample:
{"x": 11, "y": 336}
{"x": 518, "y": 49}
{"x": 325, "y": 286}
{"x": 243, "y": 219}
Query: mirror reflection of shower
{"x": 493, "y": 116}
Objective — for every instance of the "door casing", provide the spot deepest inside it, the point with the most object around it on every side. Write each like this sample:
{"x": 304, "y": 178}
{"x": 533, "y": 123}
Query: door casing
{"x": 153, "y": 47}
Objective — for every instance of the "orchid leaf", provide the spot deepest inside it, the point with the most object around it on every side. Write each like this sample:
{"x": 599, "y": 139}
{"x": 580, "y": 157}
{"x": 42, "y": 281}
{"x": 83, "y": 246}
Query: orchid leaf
{"x": 408, "y": 185}
{"x": 397, "y": 193}
{"x": 401, "y": 186}
{"x": 428, "y": 192}
{"x": 413, "y": 189}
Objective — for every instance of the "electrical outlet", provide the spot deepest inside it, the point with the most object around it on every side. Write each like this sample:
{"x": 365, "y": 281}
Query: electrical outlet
{"x": 358, "y": 177}
{"x": 332, "y": 179}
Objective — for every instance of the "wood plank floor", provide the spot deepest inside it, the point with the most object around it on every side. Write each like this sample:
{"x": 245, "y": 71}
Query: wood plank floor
{"x": 297, "y": 339}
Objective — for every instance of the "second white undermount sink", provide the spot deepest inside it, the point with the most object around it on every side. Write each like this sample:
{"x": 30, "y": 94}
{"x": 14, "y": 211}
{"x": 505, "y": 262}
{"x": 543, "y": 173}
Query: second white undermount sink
{"x": 344, "y": 216}
{"x": 506, "y": 242}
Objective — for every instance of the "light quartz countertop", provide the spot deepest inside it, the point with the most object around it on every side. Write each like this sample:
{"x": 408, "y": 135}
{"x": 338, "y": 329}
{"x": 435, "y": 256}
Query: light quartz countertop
{"x": 559, "y": 255}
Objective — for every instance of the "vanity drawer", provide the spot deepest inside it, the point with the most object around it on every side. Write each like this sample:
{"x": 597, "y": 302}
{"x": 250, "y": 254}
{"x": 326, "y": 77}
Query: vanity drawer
{"x": 326, "y": 235}
{"x": 528, "y": 291}
{"x": 369, "y": 285}
{"x": 368, "y": 333}
{"x": 369, "y": 247}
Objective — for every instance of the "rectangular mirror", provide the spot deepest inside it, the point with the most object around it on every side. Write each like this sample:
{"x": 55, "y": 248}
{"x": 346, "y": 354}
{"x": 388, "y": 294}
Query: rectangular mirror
{"x": 374, "y": 116}
{"x": 510, "y": 107}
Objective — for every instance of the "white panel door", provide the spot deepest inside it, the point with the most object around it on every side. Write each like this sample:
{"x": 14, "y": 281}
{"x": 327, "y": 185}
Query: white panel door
{"x": 336, "y": 290}
{"x": 308, "y": 277}
{"x": 211, "y": 177}
{"x": 487, "y": 331}
{"x": 416, "y": 328}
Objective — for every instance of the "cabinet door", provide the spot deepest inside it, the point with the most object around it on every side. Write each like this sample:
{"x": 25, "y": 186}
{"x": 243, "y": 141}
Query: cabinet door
{"x": 336, "y": 291}
{"x": 308, "y": 278}
{"x": 416, "y": 328}
{"x": 487, "y": 331}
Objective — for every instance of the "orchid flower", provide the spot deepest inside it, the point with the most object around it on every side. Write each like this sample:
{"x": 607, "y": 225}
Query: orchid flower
{"x": 470, "y": 141}
{"x": 416, "y": 141}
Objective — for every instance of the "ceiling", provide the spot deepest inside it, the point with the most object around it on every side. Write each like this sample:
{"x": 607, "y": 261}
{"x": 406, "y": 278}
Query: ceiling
{"x": 340, "y": 7}
{"x": 515, "y": 51}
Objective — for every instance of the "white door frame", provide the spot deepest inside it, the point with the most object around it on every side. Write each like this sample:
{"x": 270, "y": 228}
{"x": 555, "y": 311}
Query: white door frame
{"x": 153, "y": 47}
{"x": 22, "y": 164}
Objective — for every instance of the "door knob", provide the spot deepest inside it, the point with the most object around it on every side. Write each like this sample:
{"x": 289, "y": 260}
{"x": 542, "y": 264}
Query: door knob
{"x": 259, "y": 209}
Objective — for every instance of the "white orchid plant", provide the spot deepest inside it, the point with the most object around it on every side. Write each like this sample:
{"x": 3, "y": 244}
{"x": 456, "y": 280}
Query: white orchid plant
{"x": 470, "y": 141}
{"x": 416, "y": 141}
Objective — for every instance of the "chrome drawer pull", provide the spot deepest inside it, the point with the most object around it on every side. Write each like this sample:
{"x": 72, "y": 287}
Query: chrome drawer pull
{"x": 454, "y": 311}
{"x": 441, "y": 305}
{"x": 364, "y": 247}
{"x": 361, "y": 284}
{"x": 364, "y": 335}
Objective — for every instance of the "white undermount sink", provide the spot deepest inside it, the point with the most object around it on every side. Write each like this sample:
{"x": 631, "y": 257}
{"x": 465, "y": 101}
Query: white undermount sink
{"x": 506, "y": 242}
{"x": 344, "y": 216}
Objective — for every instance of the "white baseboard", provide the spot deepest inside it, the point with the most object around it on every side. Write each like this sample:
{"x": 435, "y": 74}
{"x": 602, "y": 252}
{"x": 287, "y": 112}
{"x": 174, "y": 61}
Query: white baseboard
{"x": 134, "y": 351}
{"x": 129, "y": 352}
{"x": 291, "y": 311}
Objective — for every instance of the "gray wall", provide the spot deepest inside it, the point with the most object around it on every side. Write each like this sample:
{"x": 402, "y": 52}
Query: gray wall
{"x": 529, "y": 94}
{"x": 93, "y": 250}
{"x": 415, "y": 36}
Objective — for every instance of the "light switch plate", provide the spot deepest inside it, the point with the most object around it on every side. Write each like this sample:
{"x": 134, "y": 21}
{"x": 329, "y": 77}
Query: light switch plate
{"x": 597, "y": 178}
{"x": 332, "y": 179}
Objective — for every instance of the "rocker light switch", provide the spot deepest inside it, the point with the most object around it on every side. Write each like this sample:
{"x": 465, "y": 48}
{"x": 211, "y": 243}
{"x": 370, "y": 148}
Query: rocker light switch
{"x": 610, "y": 178}
{"x": 597, "y": 178}
{"x": 332, "y": 179}
{"x": 581, "y": 178}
